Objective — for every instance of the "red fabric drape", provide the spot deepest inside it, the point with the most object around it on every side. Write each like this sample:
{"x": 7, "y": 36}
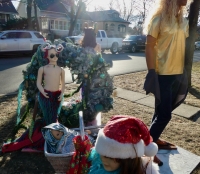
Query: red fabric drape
{"x": 36, "y": 143}
{"x": 79, "y": 163}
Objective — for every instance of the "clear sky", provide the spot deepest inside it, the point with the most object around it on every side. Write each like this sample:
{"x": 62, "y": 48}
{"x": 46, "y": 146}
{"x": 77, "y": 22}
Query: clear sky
{"x": 15, "y": 3}
{"x": 97, "y": 3}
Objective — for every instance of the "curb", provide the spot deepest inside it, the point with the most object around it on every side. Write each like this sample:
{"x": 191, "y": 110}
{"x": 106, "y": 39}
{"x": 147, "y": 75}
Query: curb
{"x": 184, "y": 110}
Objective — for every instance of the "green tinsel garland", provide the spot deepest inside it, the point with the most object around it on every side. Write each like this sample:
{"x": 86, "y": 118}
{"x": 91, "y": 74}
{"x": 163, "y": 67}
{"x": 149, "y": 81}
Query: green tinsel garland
{"x": 76, "y": 59}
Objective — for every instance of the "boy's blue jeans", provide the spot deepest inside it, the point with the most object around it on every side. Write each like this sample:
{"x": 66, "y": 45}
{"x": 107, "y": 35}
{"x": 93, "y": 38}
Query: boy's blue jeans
{"x": 169, "y": 86}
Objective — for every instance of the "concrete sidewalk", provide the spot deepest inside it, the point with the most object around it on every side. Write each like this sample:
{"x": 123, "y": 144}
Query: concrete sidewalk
{"x": 183, "y": 110}
{"x": 178, "y": 161}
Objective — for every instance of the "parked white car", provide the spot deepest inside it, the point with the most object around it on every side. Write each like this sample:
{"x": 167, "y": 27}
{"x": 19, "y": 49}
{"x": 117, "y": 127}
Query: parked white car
{"x": 76, "y": 39}
{"x": 197, "y": 45}
{"x": 114, "y": 44}
{"x": 20, "y": 41}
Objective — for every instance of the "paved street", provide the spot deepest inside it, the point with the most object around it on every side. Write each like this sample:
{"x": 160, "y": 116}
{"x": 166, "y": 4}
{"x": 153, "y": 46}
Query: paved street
{"x": 11, "y": 67}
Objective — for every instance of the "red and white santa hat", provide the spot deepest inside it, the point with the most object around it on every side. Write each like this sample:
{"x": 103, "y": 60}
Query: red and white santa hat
{"x": 125, "y": 137}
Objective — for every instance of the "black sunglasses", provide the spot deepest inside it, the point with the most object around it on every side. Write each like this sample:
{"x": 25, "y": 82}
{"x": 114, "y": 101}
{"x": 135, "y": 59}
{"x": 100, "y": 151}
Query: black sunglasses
{"x": 53, "y": 55}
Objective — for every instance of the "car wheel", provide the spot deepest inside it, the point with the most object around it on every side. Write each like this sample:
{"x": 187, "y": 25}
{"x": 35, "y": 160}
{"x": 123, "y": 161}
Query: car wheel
{"x": 133, "y": 49}
{"x": 114, "y": 48}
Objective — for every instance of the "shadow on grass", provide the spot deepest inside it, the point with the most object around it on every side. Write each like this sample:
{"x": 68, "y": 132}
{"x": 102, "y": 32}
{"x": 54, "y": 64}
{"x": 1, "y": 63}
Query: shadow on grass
{"x": 196, "y": 170}
{"x": 6, "y": 130}
{"x": 196, "y": 117}
{"x": 19, "y": 162}
{"x": 26, "y": 163}
{"x": 195, "y": 92}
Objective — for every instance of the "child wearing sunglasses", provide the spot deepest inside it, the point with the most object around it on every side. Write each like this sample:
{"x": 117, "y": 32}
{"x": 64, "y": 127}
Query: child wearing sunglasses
{"x": 51, "y": 84}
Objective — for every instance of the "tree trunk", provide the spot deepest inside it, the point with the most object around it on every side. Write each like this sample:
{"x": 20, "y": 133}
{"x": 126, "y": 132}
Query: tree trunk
{"x": 36, "y": 17}
{"x": 71, "y": 28}
{"x": 193, "y": 18}
{"x": 74, "y": 18}
{"x": 28, "y": 9}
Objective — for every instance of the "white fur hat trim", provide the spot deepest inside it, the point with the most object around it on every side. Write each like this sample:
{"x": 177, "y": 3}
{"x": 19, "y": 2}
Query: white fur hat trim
{"x": 114, "y": 149}
{"x": 151, "y": 149}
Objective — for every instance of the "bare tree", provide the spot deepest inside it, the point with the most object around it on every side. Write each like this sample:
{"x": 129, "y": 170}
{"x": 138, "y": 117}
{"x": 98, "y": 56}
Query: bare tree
{"x": 77, "y": 6}
{"x": 130, "y": 11}
{"x": 36, "y": 15}
{"x": 30, "y": 4}
{"x": 193, "y": 19}
{"x": 111, "y": 4}
{"x": 98, "y": 8}
{"x": 142, "y": 8}
{"x": 133, "y": 11}
{"x": 29, "y": 11}
{"x": 124, "y": 7}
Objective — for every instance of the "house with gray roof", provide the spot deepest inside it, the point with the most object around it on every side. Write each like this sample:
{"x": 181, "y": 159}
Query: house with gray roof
{"x": 53, "y": 17}
{"x": 7, "y": 11}
{"x": 111, "y": 22}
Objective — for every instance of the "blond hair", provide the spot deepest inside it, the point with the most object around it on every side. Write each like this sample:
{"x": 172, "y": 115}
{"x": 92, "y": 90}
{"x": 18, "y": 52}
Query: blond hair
{"x": 167, "y": 11}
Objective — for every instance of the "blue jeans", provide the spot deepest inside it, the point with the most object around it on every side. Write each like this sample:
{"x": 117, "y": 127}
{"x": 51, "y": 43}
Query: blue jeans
{"x": 169, "y": 86}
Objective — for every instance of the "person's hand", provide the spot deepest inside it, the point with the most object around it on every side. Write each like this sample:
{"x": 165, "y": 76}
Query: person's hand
{"x": 150, "y": 81}
{"x": 151, "y": 84}
{"x": 60, "y": 97}
{"x": 45, "y": 94}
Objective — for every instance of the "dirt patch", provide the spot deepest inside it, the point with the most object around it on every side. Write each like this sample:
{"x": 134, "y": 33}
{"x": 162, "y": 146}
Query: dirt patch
{"x": 184, "y": 133}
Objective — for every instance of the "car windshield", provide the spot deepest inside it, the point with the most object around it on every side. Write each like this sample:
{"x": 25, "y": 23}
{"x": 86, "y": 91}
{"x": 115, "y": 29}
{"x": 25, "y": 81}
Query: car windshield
{"x": 131, "y": 37}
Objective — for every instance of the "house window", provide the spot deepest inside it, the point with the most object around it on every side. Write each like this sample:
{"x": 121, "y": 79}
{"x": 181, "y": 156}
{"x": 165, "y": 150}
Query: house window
{"x": 116, "y": 15}
{"x": 65, "y": 25}
{"x": 112, "y": 27}
{"x": 52, "y": 24}
{"x": 106, "y": 27}
{"x": 44, "y": 23}
{"x": 122, "y": 28}
{"x": 61, "y": 25}
{"x": 8, "y": 17}
{"x": 56, "y": 25}
{"x": 2, "y": 16}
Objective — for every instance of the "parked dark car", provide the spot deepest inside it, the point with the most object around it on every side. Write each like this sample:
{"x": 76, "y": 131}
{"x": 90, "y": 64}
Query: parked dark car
{"x": 134, "y": 43}
{"x": 197, "y": 45}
